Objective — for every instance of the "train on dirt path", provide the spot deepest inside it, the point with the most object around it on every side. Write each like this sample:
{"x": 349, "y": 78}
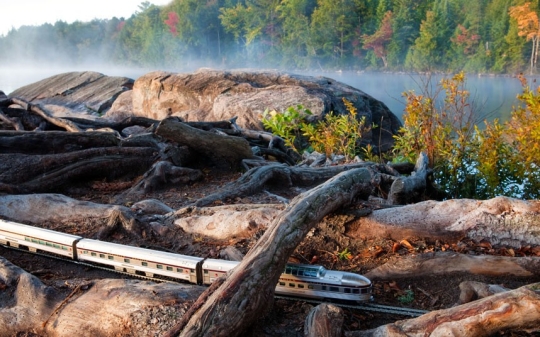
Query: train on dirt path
{"x": 297, "y": 280}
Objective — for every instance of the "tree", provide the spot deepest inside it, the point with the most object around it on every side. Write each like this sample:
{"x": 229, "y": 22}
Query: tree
{"x": 380, "y": 39}
{"x": 528, "y": 26}
{"x": 423, "y": 54}
{"x": 332, "y": 28}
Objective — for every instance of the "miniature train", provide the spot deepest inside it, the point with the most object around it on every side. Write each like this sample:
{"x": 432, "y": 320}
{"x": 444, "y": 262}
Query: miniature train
{"x": 298, "y": 280}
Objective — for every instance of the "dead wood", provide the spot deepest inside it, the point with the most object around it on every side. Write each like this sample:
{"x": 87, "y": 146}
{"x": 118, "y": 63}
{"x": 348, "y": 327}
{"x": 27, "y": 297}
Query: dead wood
{"x": 325, "y": 320}
{"x": 250, "y": 288}
{"x": 224, "y": 151}
{"x": 225, "y": 222}
{"x": 253, "y": 181}
{"x": 41, "y": 173}
{"x": 163, "y": 173}
{"x": 406, "y": 190}
{"x": 43, "y": 113}
{"x": 447, "y": 263}
{"x": 499, "y": 221}
{"x": 50, "y": 142}
{"x": 471, "y": 291}
{"x": 516, "y": 310}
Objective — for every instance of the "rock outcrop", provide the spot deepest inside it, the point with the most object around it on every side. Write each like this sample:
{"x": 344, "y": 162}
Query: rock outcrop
{"x": 211, "y": 95}
{"x": 85, "y": 92}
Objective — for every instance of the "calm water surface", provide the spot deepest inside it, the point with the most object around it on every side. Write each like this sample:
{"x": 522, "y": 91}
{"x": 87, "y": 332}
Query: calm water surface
{"x": 493, "y": 97}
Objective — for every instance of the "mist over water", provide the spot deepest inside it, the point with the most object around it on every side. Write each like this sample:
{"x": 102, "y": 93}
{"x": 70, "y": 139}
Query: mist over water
{"x": 492, "y": 97}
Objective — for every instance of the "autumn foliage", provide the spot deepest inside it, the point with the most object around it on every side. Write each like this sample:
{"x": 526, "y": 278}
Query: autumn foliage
{"x": 172, "y": 21}
{"x": 380, "y": 39}
{"x": 528, "y": 26}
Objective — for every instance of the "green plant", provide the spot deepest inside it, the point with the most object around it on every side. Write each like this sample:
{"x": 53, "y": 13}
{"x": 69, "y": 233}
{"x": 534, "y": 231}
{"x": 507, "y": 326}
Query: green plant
{"x": 407, "y": 297}
{"x": 445, "y": 133}
{"x": 345, "y": 254}
{"x": 337, "y": 134}
{"x": 286, "y": 124}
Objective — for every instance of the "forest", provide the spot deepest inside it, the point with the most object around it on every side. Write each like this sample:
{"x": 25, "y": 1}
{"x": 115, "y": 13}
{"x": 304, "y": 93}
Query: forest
{"x": 499, "y": 36}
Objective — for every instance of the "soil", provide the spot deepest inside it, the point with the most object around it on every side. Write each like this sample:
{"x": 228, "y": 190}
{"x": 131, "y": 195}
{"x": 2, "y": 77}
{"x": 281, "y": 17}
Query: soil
{"x": 325, "y": 245}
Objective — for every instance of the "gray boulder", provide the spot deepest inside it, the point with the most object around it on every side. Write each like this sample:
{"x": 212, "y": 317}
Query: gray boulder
{"x": 211, "y": 95}
{"x": 85, "y": 92}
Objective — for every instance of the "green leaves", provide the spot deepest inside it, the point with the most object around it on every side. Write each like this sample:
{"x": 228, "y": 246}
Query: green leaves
{"x": 335, "y": 134}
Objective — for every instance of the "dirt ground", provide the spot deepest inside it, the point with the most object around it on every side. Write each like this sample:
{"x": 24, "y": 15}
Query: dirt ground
{"x": 326, "y": 245}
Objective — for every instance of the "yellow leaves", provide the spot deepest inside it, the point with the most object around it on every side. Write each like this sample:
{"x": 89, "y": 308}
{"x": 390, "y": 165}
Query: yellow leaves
{"x": 527, "y": 20}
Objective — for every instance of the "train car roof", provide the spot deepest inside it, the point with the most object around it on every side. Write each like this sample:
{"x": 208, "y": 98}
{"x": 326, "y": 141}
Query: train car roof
{"x": 346, "y": 278}
{"x": 138, "y": 253}
{"x": 46, "y": 234}
{"x": 220, "y": 264}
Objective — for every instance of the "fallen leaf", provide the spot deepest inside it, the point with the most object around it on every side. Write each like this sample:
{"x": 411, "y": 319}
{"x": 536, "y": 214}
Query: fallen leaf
{"x": 396, "y": 247}
{"x": 407, "y": 245}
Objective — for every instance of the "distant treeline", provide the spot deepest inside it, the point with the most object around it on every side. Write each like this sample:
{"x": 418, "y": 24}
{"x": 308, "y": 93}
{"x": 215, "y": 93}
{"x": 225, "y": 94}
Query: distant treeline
{"x": 478, "y": 36}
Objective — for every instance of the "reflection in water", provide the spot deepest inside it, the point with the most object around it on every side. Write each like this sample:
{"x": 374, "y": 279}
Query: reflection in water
{"x": 493, "y": 97}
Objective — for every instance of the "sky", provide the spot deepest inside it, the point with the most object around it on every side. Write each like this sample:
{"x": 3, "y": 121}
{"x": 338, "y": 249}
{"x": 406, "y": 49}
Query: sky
{"x": 16, "y": 13}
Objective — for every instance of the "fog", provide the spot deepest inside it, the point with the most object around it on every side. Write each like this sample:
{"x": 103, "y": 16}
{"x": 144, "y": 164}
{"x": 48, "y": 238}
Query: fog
{"x": 493, "y": 97}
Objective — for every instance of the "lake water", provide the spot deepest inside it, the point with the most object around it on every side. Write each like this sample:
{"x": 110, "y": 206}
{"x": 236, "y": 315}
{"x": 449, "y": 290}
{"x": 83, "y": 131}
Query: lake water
{"x": 492, "y": 96}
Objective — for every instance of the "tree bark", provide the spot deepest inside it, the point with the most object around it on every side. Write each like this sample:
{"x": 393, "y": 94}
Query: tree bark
{"x": 406, "y": 190}
{"x": 253, "y": 181}
{"x": 500, "y": 221}
{"x": 30, "y": 174}
{"x": 446, "y": 263}
{"x": 325, "y": 320}
{"x": 24, "y": 142}
{"x": 224, "y": 151}
{"x": 250, "y": 288}
{"x": 516, "y": 310}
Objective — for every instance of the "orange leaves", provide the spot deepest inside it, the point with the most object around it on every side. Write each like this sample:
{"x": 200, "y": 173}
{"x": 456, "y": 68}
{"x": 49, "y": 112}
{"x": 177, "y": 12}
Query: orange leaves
{"x": 527, "y": 21}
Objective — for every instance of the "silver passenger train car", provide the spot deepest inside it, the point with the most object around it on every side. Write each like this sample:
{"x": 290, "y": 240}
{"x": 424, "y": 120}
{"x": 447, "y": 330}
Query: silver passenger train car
{"x": 309, "y": 281}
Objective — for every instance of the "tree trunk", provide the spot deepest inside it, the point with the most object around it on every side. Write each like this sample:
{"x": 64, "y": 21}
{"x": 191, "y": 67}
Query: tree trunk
{"x": 500, "y": 221}
{"x": 224, "y": 151}
{"x": 446, "y": 263}
{"x": 325, "y": 320}
{"x": 516, "y": 310}
{"x": 250, "y": 288}
{"x": 30, "y": 174}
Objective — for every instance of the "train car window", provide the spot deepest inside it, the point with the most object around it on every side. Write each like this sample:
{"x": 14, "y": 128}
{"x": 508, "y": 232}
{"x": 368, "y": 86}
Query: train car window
{"x": 111, "y": 257}
{"x": 301, "y": 286}
{"x": 288, "y": 270}
{"x": 144, "y": 264}
{"x": 291, "y": 285}
{"x": 356, "y": 291}
{"x": 323, "y": 287}
{"x": 93, "y": 254}
{"x": 282, "y": 284}
{"x": 41, "y": 242}
{"x": 56, "y": 246}
{"x": 300, "y": 273}
{"x": 126, "y": 260}
{"x": 294, "y": 272}
{"x": 206, "y": 271}
{"x": 26, "y": 239}
{"x": 85, "y": 252}
{"x": 347, "y": 290}
{"x": 64, "y": 248}
{"x": 310, "y": 273}
{"x": 169, "y": 268}
{"x": 35, "y": 241}
{"x": 102, "y": 256}
{"x": 159, "y": 266}
{"x": 179, "y": 270}
{"x": 365, "y": 291}
{"x": 336, "y": 289}
{"x": 48, "y": 244}
{"x": 310, "y": 286}
{"x": 192, "y": 270}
